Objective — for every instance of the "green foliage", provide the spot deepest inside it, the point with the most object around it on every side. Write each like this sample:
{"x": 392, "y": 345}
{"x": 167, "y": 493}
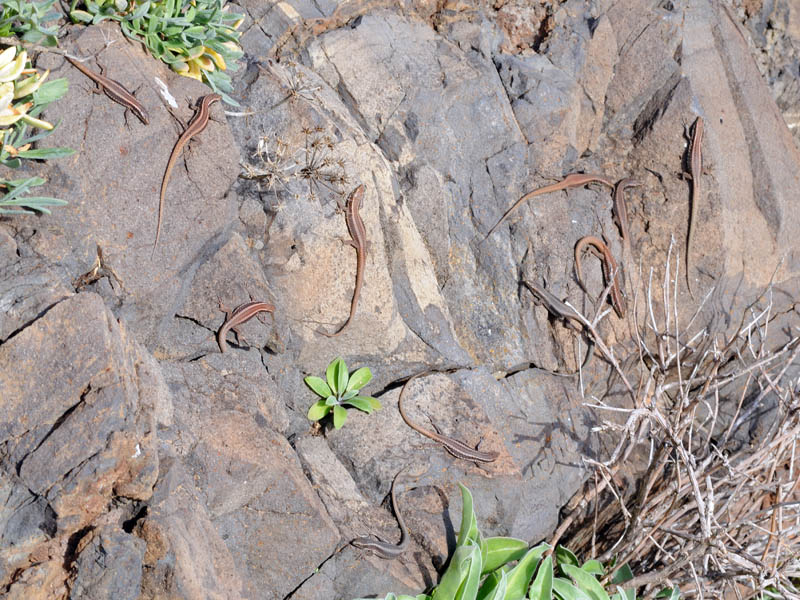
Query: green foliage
{"x": 14, "y": 202}
{"x": 24, "y": 94}
{"x": 26, "y": 19}
{"x": 340, "y": 388}
{"x": 480, "y": 569}
{"x": 196, "y": 38}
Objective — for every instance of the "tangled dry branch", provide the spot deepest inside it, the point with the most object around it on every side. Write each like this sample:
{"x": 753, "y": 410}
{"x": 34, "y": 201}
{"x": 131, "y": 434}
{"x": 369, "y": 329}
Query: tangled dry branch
{"x": 716, "y": 510}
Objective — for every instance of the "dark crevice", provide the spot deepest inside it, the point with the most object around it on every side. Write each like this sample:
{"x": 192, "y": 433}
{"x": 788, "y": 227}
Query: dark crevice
{"x": 542, "y": 34}
{"x": 71, "y": 553}
{"x": 533, "y": 367}
{"x": 58, "y": 423}
{"x": 31, "y": 321}
{"x": 653, "y": 110}
{"x": 129, "y": 525}
{"x": 397, "y": 383}
{"x": 49, "y": 524}
{"x": 313, "y": 573}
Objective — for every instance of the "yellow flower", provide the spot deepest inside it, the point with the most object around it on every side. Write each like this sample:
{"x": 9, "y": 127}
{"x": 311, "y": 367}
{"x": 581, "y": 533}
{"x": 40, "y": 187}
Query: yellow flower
{"x": 194, "y": 52}
{"x": 204, "y": 63}
{"x": 193, "y": 72}
{"x": 6, "y": 95}
{"x": 217, "y": 58}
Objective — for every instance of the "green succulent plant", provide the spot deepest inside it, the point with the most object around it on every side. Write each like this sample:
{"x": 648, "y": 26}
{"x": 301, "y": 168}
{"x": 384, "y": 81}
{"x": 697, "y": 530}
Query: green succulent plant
{"x": 480, "y": 569}
{"x": 27, "y": 19}
{"x": 196, "y": 38}
{"x": 24, "y": 93}
{"x": 340, "y": 389}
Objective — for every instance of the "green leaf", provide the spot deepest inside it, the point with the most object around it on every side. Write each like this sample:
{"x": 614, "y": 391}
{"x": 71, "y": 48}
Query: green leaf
{"x": 391, "y": 596}
{"x": 565, "y": 556}
{"x": 46, "y": 153}
{"x": 80, "y": 16}
{"x": 11, "y": 163}
{"x": 376, "y": 404}
{"x": 624, "y": 594}
{"x": 360, "y": 404}
{"x": 542, "y": 586}
{"x": 331, "y": 373}
{"x": 461, "y": 578}
{"x": 566, "y": 591}
{"x": 140, "y": 11}
{"x": 339, "y": 416}
{"x": 318, "y": 410}
{"x": 469, "y": 524}
{"x": 671, "y": 593}
{"x": 348, "y": 395}
{"x": 520, "y": 576}
{"x": 494, "y": 586}
{"x": 318, "y": 386}
{"x": 622, "y": 575}
{"x": 50, "y": 90}
{"x": 593, "y": 567}
{"x": 359, "y": 379}
{"x": 502, "y": 550}
{"x": 469, "y": 590}
{"x": 587, "y": 583}
{"x": 342, "y": 378}
{"x": 331, "y": 400}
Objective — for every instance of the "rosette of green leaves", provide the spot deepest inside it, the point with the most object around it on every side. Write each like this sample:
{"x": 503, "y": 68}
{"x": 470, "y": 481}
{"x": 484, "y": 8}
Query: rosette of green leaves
{"x": 481, "y": 569}
{"x": 340, "y": 388}
{"x": 196, "y": 38}
{"x": 26, "y": 19}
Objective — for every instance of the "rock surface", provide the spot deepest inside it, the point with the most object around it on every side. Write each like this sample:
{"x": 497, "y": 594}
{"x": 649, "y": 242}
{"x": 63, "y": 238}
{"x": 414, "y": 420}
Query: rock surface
{"x": 140, "y": 462}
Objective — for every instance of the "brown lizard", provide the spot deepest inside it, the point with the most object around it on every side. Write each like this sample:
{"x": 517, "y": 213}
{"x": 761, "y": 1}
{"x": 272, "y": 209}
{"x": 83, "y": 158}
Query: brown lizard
{"x": 560, "y": 309}
{"x": 610, "y": 270}
{"x": 238, "y": 316}
{"x": 570, "y": 181}
{"x": 455, "y": 447}
{"x": 196, "y": 125}
{"x": 358, "y": 233}
{"x": 114, "y": 90}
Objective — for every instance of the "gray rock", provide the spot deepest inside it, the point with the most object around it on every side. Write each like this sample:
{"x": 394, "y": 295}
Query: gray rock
{"x": 448, "y": 115}
{"x": 109, "y": 566}
{"x": 260, "y": 503}
{"x": 90, "y": 393}
{"x": 119, "y": 216}
{"x": 184, "y": 556}
{"x": 26, "y": 521}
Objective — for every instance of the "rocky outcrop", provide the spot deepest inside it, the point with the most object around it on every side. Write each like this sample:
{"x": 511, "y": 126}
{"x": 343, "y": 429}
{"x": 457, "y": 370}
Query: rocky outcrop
{"x": 140, "y": 462}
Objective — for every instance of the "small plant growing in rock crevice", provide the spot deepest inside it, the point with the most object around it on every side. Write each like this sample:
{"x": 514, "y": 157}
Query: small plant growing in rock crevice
{"x": 340, "y": 389}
